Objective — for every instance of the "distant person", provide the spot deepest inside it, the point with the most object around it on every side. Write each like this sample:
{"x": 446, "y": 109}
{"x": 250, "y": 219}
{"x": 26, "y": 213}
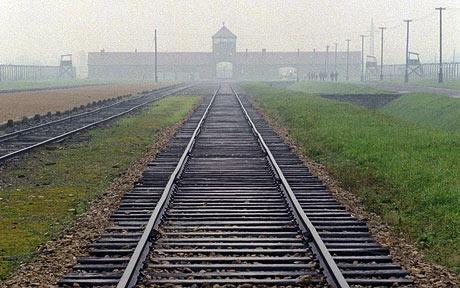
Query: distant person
{"x": 336, "y": 76}
{"x": 332, "y": 76}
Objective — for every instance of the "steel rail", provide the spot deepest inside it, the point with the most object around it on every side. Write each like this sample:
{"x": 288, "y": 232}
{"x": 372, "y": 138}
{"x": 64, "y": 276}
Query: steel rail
{"x": 7, "y": 136}
{"x": 131, "y": 273}
{"x": 64, "y": 135}
{"x": 331, "y": 270}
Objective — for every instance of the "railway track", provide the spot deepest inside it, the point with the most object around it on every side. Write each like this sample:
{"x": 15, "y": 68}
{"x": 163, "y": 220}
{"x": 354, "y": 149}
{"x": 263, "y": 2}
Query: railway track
{"x": 228, "y": 203}
{"x": 18, "y": 142}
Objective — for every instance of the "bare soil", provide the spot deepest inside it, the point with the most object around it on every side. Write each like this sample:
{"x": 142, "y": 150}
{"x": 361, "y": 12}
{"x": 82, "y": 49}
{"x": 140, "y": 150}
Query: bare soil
{"x": 25, "y": 104}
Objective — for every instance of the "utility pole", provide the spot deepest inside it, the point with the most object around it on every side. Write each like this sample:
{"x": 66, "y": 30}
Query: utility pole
{"x": 362, "y": 57}
{"x": 315, "y": 62}
{"x": 441, "y": 74}
{"x": 156, "y": 58}
{"x": 348, "y": 58}
{"x": 335, "y": 57}
{"x": 372, "y": 39}
{"x": 298, "y": 65}
{"x": 406, "y": 74}
{"x": 327, "y": 60}
{"x": 381, "y": 54}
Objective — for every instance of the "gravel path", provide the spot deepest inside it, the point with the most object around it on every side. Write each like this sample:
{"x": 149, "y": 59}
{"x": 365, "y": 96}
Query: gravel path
{"x": 403, "y": 251}
{"x": 55, "y": 258}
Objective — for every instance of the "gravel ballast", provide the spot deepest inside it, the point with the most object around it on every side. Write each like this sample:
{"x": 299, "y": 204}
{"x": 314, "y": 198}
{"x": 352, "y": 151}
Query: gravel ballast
{"x": 403, "y": 251}
{"x": 55, "y": 258}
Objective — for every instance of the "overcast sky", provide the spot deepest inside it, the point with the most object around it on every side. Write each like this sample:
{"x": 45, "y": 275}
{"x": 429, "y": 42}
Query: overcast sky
{"x": 42, "y": 30}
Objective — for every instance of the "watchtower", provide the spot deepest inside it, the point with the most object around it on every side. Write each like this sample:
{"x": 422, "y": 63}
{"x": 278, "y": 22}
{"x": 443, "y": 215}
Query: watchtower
{"x": 415, "y": 65}
{"x": 224, "y": 51}
{"x": 371, "y": 68}
{"x": 66, "y": 70}
{"x": 224, "y": 45}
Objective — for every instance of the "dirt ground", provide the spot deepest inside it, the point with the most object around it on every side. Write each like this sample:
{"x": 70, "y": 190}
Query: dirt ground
{"x": 17, "y": 105}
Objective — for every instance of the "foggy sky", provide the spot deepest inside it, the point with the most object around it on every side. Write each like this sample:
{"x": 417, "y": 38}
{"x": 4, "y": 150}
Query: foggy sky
{"x": 42, "y": 30}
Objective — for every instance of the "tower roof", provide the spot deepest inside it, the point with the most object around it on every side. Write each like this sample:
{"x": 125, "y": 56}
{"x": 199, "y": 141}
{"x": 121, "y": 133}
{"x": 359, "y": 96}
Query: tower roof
{"x": 224, "y": 33}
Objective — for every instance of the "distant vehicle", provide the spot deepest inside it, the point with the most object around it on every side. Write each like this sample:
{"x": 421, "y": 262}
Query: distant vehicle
{"x": 288, "y": 74}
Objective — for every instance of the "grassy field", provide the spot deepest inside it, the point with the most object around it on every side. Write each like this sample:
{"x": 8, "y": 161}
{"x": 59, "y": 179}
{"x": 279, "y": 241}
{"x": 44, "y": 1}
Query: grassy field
{"x": 407, "y": 173}
{"x": 450, "y": 84}
{"x": 437, "y": 111}
{"x": 334, "y": 88}
{"x": 47, "y": 189}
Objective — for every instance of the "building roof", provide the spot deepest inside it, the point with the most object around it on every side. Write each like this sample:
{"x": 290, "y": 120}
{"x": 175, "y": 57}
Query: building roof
{"x": 294, "y": 58}
{"x": 205, "y": 58}
{"x": 148, "y": 58}
{"x": 224, "y": 33}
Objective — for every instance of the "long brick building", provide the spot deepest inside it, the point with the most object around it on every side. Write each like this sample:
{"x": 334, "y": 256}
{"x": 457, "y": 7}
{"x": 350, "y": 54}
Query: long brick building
{"x": 223, "y": 62}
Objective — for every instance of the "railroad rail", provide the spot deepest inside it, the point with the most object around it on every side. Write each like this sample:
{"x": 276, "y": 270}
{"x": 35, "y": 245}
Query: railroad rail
{"x": 21, "y": 141}
{"x": 227, "y": 202}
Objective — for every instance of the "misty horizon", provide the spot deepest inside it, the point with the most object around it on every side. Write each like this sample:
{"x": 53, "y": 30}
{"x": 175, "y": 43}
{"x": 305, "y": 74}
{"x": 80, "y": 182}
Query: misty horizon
{"x": 38, "y": 33}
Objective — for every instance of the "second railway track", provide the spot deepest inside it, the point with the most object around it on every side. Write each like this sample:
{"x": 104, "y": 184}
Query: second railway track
{"x": 228, "y": 203}
{"x": 18, "y": 142}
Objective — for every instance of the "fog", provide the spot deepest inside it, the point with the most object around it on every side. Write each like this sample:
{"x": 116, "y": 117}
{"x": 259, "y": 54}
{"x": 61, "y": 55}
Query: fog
{"x": 39, "y": 31}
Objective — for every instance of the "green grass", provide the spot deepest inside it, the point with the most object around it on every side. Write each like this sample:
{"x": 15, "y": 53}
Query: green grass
{"x": 450, "y": 84}
{"x": 407, "y": 173}
{"x": 48, "y": 184}
{"x": 437, "y": 111}
{"x": 315, "y": 87}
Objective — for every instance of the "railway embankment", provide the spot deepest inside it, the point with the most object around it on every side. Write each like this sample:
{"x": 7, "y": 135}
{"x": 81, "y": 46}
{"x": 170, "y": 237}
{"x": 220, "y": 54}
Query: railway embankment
{"x": 219, "y": 217}
{"x": 405, "y": 174}
{"x": 426, "y": 109}
{"x": 49, "y": 189}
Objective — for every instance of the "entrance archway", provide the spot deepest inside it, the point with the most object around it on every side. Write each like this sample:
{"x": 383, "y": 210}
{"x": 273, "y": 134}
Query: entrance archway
{"x": 224, "y": 70}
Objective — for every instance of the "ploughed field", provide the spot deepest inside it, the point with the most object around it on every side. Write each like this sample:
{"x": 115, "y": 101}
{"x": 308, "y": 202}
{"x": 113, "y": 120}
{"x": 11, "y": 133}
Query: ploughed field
{"x": 25, "y": 104}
